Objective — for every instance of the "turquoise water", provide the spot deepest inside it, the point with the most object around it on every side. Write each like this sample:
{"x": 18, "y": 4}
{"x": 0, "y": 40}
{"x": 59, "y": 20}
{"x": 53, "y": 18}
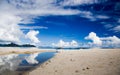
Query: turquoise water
{"x": 17, "y": 64}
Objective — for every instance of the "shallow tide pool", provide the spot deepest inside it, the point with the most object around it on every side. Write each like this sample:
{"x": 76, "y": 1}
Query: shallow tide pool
{"x": 17, "y": 64}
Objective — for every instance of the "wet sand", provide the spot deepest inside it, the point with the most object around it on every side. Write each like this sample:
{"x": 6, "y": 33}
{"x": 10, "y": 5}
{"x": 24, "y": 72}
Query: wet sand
{"x": 82, "y": 62}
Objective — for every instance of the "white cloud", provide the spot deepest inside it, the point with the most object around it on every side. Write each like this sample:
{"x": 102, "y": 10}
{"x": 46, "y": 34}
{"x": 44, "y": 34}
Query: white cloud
{"x": 64, "y": 44}
{"x": 112, "y": 26}
{"x": 33, "y": 27}
{"x": 74, "y": 43}
{"x": 32, "y": 36}
{"x": 102, "y": 17}
{"x": 31, "y": 59}
{"x": 9, "y": 31}
{"x": 36, "y": 7}
{"x": 80, "y": 2}
{"x": 116, "y": 29}
{"x": 13, "y": 12}
{"x": 92, "y": 17}
{"x": 88, "y": 15}
{"x": 96, "y": 40}
{"x": 108, "y": 26}
{"x": 111, "y": 41}
{"x": 61, "y": 43}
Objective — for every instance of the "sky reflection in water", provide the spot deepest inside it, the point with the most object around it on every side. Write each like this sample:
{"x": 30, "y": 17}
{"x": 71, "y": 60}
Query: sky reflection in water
{"x": 14, "y": 64}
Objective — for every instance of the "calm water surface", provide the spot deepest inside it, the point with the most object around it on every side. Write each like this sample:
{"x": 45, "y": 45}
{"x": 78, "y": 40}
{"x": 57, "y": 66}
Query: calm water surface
{"x": 17, "y": 64}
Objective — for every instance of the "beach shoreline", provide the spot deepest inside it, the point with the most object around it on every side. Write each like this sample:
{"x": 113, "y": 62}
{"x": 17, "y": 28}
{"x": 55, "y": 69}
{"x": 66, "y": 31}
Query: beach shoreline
{"x": 74, "y": 62}
{"x": 81, "y": 62}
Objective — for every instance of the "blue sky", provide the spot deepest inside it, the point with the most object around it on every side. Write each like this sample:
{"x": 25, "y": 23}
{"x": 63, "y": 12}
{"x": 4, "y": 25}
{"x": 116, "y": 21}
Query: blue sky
{"x": 67, "y": 28}
{"x": 49, "y": 21}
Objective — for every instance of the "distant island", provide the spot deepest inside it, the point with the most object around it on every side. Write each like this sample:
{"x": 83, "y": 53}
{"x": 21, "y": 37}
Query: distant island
{"x": 70, "y": 48}
{"x": 49, "y": 47}
{"x": 16, "y": 45}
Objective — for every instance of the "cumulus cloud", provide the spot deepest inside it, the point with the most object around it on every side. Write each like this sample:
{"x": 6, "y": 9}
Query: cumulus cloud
{"x": 32, "y": 36}
{"x": 96, "y": 40}
{"x": 14, "y": 12}
{"x": 74, "y": 43}
{"x": 110, "y": 41}
{"x": 9, "y": 31}
{"x": 64, "y": 44}
{"x": 31, "y": 59}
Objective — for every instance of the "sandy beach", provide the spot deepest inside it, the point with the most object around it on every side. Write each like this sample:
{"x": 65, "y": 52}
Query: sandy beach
{"x": 82, "y": 62}
{"x": 74, "y": 62}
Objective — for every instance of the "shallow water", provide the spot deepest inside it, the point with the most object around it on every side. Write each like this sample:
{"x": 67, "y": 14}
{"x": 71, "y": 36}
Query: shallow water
{"x": 17, "y": 64}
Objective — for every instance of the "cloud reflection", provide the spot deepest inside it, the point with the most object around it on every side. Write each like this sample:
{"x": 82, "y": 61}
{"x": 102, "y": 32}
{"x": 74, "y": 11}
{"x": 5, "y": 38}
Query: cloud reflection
{"x": 31, "y": 59}
{"x": 9, "y": 62}
{"x": 12, "y": 61}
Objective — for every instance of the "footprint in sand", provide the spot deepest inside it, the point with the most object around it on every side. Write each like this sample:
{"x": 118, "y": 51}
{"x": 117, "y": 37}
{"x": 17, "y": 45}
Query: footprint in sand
{"x": 76, "y": 71}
